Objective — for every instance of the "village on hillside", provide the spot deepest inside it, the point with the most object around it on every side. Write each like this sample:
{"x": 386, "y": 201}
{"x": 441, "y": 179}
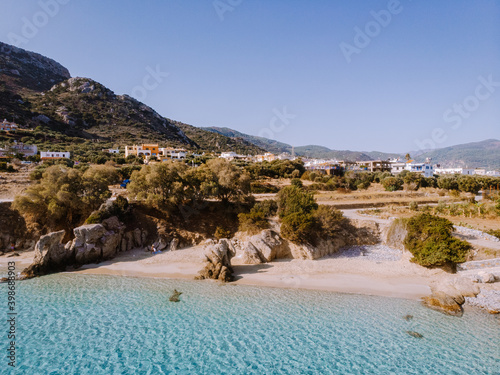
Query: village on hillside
{"x": 151, "y": 153}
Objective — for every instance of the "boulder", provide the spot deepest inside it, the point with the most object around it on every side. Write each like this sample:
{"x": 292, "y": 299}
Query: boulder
{"x": 465, "y": 286}
{"x": 444, "y": 303}
{"x": 89, "y": 233}
{"x": 485, "y": 277}
{"x": 137, "y": 237}
{"x": 269, "y": 245}
{"x": 111, "y": 244}
{"x": 50, "y": 255}
{"x": 251, "y": 255}
{"x": 218, "y": 262}
{"x": 174, "y": 244}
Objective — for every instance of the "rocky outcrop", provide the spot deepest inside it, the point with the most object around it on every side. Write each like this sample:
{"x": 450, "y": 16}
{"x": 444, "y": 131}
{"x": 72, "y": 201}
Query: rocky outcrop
{"x": 14, "y": 230}
{"x": 395, "y": 234}
{"x": 448, "y": 296}
{"x": 444, "y": 303}
{"x": 264, "y": 247}
{"x": 93, "y": 243}
{"x": 50, "y": 255}
{"x": 36, "y": 72}
{"x": 218, "y": 261}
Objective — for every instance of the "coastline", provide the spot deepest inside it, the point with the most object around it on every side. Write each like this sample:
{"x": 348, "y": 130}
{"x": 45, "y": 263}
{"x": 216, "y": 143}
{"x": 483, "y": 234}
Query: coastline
{"x": 398, "y": 279}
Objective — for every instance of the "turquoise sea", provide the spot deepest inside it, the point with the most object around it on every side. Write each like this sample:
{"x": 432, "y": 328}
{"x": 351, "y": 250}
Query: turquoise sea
{"x": 81, "y": 324}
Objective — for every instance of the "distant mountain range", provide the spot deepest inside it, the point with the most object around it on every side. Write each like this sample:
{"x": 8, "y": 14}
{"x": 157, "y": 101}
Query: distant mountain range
{"x": 471, "y": 155}
{"x": 312, "y": 151}
{"x": 37, "y": 92}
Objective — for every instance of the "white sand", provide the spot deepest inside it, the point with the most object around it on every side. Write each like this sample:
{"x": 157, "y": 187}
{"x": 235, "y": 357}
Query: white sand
{"x": 400, "y": 279}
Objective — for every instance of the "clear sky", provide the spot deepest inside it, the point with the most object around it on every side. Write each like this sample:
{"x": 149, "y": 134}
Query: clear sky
{"x": 391, "y": 76}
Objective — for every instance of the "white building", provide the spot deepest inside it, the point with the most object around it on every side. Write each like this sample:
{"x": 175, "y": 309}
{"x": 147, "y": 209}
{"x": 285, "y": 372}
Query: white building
{"x": 397, "y": 166}
{"x": 47, "y": 155}
{"x": 286, "y": 156}
{"x": 426, "y": 169}
{"x": 172, "y": 153}
{"x": 453, "y": 171}
{"x": 266, "y": 157}
{"x": 112, "y": 150}
{"x": 493, "y": 174}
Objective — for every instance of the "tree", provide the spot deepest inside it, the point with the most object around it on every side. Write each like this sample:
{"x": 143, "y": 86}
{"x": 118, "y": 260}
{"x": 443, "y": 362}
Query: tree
{"x": 159, "y": 185}
{"x": 430, "y": 241}
{"x": 413, "y": 181}
{"x": 469, "y": 184}
{"x": 407, "y": 157}
{"x": 328, "y": 220}
{"x": 64, "y": 197}
{"x": 292, "y": 199}
{"x": 447, "y": 183}
{"x": 295, "y": 208}
{"x": 392, "y": 183}
{"x": 227, "y": 182}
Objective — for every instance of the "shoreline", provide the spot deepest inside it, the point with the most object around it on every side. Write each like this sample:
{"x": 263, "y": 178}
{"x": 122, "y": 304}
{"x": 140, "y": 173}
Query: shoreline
{"x": 352, "y": 276}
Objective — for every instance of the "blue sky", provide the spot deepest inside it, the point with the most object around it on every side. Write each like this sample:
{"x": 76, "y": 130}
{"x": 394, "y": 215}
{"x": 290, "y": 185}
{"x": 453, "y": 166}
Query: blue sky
{"x": 422, "y": 74}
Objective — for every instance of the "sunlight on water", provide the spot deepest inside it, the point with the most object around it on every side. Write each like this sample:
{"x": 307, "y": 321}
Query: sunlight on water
{"x": 79, "y": 324}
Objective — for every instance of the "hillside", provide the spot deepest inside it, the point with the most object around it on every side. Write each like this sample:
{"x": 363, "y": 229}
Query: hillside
{"x": 38, "y": 93}
{"x": 472, "y": 155}
{"x": 269, "y": 145}
{"x": 312, "y": 151}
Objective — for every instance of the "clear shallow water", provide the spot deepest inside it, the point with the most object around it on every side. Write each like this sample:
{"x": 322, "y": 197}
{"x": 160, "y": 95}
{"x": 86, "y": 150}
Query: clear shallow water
{"x": 79, "y": 324}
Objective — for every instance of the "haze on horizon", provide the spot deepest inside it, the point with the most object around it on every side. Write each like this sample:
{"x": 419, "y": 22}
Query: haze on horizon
{"x": 387, "y": 75}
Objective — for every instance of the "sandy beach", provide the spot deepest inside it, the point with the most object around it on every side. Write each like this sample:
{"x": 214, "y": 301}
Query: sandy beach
{"x": 400, "y": 279}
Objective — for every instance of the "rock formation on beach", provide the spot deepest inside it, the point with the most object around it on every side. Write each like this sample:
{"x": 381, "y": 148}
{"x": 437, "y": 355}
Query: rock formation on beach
{"x": 218, "y": 261}
{"x": 93, "y": 243}
{"x": 448, "y": 296}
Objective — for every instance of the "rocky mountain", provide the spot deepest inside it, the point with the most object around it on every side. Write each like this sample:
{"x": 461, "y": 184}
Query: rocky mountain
{"x": 313, "y": 151}
{"x": 39, "y": 93}
{"x": 23, "y": 71}
{"x": 269, "y": 145}
{"x": 217, "y": 142}
{"x": 471, "y": 155}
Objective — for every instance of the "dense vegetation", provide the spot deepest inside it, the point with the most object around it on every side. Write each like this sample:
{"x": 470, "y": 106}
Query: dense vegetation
{"x": 65, "y": 197}
{"x": 430, "y": 241}
{"x": 302, "y": 220}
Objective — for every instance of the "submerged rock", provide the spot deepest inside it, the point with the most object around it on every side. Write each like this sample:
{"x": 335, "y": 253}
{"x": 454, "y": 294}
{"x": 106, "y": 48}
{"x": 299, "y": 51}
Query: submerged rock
{"x": 415, "y": 334}
{"x": 175, "y": 296}
{"x": 408, "y": 317}
{"x": 218, "y": 262}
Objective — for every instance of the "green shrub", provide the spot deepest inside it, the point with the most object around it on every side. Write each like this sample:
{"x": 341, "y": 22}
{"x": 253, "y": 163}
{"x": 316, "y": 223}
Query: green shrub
{"x": 257, "y": 219}
{"x": 392, "y": 183}
{"x": 413, "y": 206}
{"x": 292, "y": 200}
{"x": 297, "y": 182}
{"x": 494, "y": 232}
{"x": 119, "y": 208}
{"x": 430, "y": 241}
{"x": 328, "y": 220}
{"x": 297, "y": 227}
{"x": 260, "y": 188}
{"x": 220, "y": 233}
